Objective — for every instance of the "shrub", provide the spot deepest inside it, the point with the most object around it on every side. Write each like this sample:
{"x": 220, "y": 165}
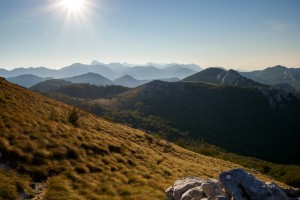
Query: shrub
{"x": 73, "y": 116}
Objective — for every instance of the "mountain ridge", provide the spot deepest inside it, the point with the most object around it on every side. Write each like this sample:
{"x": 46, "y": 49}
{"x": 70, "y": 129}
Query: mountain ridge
{"x": 276, "y": 75}
{"x": 223, "y": 77}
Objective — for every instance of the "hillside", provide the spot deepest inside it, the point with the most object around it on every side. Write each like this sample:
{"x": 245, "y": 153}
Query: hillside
{"x": 81, "y": 90}
{"x": 128, "y": 81}
{"x": 86, "y": 159}
{"x": 91, "y": 78}
{"x": 276, "y": 75}
{"x": 222, "y": 76}
{"x": 50, "y": 85}
{"x": 27, "y": 80}
{"x": 247, "y": 121}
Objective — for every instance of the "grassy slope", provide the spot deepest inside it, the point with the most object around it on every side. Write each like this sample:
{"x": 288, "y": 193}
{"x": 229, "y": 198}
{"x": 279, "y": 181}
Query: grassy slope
{"x": 288, "y": 174}
{"x": 97, "y": 160}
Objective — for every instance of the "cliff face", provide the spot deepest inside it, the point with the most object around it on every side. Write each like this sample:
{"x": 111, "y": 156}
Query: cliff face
{"x": 231, "y": 77}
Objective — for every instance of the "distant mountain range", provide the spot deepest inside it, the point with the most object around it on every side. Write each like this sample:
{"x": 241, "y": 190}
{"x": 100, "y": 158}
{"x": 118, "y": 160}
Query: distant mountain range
{"x": 91, "y": 78}
{"x": 110, "y": 71}
{"x": 120, "y": 74}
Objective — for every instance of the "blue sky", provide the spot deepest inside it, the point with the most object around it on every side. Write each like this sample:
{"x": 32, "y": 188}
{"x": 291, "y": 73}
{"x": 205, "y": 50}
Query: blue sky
{"x": 238, "y": 34}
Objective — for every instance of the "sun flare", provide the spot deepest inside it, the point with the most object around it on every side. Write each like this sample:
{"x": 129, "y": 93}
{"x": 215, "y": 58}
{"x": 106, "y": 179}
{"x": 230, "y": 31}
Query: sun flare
{"x": 73, "y": 5}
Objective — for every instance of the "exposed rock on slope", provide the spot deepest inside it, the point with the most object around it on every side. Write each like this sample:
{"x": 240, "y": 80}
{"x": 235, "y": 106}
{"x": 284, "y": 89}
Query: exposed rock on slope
{"x": 235, "y": 184}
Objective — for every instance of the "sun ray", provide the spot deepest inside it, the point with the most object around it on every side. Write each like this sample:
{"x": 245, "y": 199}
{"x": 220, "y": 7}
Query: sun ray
{"x": 73, "y": 5}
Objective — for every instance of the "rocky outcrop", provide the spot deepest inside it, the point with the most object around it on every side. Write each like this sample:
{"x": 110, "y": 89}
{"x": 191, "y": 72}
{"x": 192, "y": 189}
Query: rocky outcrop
{"x": 276, "y": 94}
{"x": 231, "y": 77}
{"x": 236, "y": 184}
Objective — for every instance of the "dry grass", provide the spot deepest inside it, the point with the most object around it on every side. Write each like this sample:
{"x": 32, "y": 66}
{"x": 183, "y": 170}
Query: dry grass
{"x": 97, "y": 159}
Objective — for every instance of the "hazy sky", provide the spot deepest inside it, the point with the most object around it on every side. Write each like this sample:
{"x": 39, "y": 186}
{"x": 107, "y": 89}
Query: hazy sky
{"x": 244, "y": 34}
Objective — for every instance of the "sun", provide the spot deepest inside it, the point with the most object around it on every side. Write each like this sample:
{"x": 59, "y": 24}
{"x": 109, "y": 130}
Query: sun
{"x": 73, "y": 5}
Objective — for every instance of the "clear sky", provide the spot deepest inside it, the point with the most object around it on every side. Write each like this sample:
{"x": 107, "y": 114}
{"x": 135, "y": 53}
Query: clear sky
{"x": 238, "y": 34}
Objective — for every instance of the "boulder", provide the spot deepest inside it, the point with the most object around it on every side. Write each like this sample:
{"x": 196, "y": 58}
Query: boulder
{"x": 181, "y": 186}
{"x": 193, "y": 188}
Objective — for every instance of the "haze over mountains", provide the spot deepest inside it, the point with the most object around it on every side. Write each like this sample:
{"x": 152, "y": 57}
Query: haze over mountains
{"x": 132, "y": 76}
{"x": 101, "y": 74}
{"x": 110, "y": 71}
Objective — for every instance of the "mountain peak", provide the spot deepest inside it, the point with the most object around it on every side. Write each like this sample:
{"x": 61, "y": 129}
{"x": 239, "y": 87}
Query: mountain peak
{"x": 95, "y": 62}
{"x": 91, "y": 78}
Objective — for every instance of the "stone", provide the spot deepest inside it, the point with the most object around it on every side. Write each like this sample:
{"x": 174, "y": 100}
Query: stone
{"x": 212, "y": 188}
{"x": 181, "y": 186}
{"x": 277, "y": 191}
{"x": 219, "y": 197}
{"x": 195, "y": 193}
{"x": 169, "y": 193}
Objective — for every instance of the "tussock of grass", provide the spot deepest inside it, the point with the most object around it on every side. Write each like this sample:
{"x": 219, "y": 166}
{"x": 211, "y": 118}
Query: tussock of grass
{"x": 12, "y": 185}
{"x": 59, "y": 189}
{"x": 97, "y": 159}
